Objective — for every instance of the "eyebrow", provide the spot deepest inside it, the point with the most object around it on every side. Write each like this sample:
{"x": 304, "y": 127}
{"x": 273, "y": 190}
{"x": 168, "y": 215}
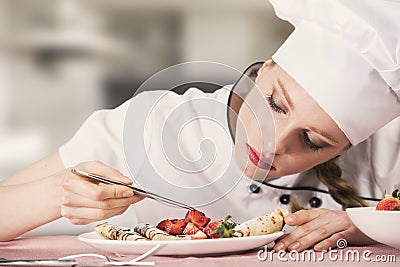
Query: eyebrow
{"x": 285, "y": 93}
{"x": 324, "y": 134}
{"x": 290, "y": 102}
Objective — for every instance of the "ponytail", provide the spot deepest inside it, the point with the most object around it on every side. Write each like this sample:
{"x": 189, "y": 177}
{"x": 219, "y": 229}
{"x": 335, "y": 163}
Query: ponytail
{"x": 329, "y": 173}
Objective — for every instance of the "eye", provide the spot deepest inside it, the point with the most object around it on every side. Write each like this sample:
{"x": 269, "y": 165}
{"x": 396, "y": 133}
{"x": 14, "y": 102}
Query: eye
{"x": 273, "y": 105}
{"x": 309, "y": 143}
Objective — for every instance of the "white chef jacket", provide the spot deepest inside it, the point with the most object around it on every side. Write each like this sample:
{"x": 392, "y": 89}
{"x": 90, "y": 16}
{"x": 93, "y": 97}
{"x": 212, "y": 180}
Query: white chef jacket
{"x": 373, "y": 167}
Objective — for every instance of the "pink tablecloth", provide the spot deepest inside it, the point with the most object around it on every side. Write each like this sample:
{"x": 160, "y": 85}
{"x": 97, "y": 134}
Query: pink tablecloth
{"x": 50, "y": 247}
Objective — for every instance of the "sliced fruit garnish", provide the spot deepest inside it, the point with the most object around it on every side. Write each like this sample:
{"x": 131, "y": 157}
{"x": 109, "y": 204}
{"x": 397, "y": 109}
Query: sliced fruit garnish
{"x": 209, "y": 229}
{"x": 390, "y": 202}
{"x": 190, "y": 229}
{"x": 220, "y": 228}
{"x": 174, "y": 227}
{"x": 198, "y": 218}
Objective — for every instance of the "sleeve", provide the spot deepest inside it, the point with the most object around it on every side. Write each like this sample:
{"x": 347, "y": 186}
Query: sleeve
{"x": 99, "y": 138}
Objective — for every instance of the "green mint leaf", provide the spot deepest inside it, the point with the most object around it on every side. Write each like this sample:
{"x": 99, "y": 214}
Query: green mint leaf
{"x": 225, "y": 229}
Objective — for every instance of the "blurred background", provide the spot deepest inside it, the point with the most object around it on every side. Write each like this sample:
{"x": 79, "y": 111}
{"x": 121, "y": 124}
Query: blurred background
{"x": 60, "y": 60}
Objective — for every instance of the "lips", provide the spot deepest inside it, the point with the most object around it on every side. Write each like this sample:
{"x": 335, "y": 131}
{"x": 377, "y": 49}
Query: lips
{"x": 258, "y": 160}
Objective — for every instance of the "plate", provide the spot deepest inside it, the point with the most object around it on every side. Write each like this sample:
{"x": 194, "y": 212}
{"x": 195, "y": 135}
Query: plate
{"x": 180, "y": 247}
{"x": 380, "y": 225}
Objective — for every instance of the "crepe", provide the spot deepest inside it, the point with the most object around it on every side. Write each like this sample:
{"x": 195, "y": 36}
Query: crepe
{"x": 153, "y": 233}
{"x": 115, "y": 232}
{"x": 262, "y": 225}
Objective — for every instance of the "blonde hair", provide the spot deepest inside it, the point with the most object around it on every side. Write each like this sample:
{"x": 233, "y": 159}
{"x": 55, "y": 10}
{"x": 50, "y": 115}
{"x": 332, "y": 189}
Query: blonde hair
{"x": 330, "y": 173}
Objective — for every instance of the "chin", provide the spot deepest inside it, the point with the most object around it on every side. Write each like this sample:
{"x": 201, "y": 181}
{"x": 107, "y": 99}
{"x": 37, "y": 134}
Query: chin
{"x": 249, "y": 172}
{"x": 272, "y": 175}
{"x": 255, "y": 173}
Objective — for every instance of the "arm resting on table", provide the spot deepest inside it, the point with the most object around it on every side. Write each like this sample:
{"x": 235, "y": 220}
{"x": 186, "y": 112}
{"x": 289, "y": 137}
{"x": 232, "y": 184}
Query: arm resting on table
{"x": 31, "y": 197}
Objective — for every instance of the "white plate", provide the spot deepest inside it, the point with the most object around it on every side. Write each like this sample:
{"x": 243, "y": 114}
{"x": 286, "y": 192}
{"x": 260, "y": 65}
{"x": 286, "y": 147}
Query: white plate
{"x": 380, "y": 225}
{"x": 179, "y": 247}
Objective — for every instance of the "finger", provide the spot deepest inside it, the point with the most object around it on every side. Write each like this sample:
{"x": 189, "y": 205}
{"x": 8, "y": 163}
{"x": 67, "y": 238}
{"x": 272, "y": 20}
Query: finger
{"x": 96, "y": 192}
{"x": 306, "y": 234}
{"x": 89, "y": 214}
{"x": 99, "y": 168}
{"x": 302, "y": 216}
{"x": 281, "y": 237}
{"x": 80, "y": 221}
{"x": 351, "y": 234}
{"x": 74, "y": 200}
{"x": 331, "y": 242}
{"x": 314, "y": 231}
{"x": 83, "y": 221}
{"x": 301, "y": 238}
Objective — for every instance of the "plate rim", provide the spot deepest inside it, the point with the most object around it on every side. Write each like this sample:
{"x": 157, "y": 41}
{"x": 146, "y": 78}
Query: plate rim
{"x": 124, "y": 244}
{"x": 370, "y": 209}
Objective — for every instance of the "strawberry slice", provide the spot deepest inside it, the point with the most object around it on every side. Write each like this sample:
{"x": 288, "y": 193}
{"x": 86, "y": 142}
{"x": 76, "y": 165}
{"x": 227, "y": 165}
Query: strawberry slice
{"x": 198, "y": 218}
{"x": 211, "y": 227}
{"x": 220, "y": 229}
{"x": 165, "y": 225}
{"x": 390, "y": 202}
{"x": 190, "y": 229}
{"x": 173, "y": 227}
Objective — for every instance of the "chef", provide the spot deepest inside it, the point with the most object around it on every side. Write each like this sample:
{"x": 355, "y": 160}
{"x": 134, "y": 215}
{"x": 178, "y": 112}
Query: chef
{"x": 331, "y": 92}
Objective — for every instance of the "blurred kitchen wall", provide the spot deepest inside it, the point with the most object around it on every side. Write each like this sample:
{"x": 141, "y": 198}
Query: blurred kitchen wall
{"x": 62, "y": 60}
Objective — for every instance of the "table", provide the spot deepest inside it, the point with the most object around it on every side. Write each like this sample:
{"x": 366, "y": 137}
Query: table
{"x": 50, "y": 247}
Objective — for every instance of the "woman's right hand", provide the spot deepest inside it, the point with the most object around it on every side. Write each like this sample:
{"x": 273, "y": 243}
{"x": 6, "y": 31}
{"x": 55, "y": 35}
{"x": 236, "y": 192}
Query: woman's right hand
{"x": 84, "y": 201}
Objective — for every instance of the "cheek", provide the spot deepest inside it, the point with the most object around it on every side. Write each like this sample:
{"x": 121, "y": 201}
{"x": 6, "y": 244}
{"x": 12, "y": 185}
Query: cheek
{"x": 302, "y": 164}
{"x": 299, "y": 163}
{"x": 248, "y": 129}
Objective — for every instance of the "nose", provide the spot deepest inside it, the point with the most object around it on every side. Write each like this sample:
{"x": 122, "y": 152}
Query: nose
{"x": 280, "y": 147}
{"x": 283, "y": 134}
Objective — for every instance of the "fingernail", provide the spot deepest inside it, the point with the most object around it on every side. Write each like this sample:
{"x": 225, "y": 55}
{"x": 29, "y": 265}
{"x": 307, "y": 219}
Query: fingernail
{"x": 127, "y": 193}
{"x": 318, "y": 247}
{"x": 279, "y": 246}
{"x": 289, "y": 219}
{"x": 294, "y": 246}
{"x": 126, "y": 180}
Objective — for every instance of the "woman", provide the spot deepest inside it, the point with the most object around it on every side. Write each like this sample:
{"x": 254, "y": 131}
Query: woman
{"x": 310, "y": 130}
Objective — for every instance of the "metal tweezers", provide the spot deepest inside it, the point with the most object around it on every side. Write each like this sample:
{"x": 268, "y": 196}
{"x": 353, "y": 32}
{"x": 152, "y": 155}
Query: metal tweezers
{"x": 137, "y": 191}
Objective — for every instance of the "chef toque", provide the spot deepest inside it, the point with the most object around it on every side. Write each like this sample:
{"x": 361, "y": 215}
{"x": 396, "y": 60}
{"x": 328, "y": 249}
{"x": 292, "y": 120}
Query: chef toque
{"x": 346, "y": 55}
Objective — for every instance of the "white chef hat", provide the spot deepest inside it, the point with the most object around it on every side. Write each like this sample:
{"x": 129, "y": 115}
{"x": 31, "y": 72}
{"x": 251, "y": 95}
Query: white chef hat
{"x": 346, "y": 55}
